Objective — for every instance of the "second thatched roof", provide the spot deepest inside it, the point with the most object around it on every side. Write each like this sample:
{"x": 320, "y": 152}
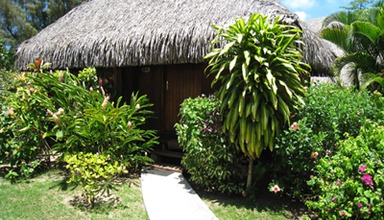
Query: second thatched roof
{"x": 117, "y": 33}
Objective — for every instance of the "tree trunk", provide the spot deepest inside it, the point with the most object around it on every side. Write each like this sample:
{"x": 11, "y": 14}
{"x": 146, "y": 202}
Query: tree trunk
{"x": 250, "y": 172}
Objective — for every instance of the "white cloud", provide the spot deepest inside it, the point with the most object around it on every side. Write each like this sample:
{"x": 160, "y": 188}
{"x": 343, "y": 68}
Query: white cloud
{"x": 299, "y": 4}
{"x": 302, "y": 15}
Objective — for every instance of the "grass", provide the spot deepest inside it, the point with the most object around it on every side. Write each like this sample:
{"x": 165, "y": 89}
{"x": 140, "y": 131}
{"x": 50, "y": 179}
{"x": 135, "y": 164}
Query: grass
{"x": 49, "y": 197}
{"x": 266, "y": 205}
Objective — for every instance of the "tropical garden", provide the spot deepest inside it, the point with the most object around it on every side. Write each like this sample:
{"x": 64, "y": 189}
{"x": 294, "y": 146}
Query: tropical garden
{"x": 264, "y": 129}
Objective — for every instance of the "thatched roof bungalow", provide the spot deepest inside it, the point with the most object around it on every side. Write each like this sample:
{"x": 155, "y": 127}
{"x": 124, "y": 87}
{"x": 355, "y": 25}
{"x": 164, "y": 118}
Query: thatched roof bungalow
{"x": 155, "y": 46}
{"x": 116, "y": 33}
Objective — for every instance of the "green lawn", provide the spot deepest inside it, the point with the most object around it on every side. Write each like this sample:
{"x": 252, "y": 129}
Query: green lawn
{"x": 49, "y": 197}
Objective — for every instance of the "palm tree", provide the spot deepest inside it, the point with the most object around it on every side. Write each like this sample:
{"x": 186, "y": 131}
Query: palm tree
{"x": 360, "y": 34}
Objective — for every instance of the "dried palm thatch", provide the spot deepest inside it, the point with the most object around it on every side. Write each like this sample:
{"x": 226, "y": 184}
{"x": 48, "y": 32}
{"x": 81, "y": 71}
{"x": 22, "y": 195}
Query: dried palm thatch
{"x": 116, "y": 33}
{"x": 316, "y": 26}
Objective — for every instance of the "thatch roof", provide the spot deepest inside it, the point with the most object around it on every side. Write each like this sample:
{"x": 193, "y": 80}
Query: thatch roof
{"x": 115, "y": 33}
{"x": 316, "y": 26}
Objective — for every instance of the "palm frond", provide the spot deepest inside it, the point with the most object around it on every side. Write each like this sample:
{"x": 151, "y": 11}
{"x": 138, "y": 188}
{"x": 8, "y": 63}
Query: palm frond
{"x": 339, "y": 19}
{"x": 366, "y": 30}
{"x": 337, "y": 36}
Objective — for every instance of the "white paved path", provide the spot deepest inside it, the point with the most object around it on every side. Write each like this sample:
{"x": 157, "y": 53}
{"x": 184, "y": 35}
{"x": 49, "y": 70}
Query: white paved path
{"x": 168, "y": 196}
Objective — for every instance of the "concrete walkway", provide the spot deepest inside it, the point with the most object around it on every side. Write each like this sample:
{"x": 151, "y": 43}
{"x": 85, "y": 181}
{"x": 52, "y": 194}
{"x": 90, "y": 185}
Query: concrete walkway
{"x": 168, "y": 196}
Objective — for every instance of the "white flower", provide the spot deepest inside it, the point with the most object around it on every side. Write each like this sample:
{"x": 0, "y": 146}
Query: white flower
{"x": 60, "y": 111}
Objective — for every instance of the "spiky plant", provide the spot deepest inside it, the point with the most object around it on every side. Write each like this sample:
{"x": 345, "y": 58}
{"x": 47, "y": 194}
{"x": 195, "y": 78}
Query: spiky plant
{"x": 258, "y": 68}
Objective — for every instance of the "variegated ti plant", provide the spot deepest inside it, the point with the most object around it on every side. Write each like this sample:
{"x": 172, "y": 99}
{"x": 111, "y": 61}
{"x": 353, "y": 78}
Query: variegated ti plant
{"x": 257, "y": 64}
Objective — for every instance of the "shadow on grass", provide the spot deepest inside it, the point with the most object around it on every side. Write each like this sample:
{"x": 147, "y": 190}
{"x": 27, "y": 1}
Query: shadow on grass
{"x": 264, "y": 201}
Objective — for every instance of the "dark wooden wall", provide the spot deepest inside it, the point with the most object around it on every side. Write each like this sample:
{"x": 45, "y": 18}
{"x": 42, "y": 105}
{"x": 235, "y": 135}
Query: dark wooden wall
{"x": 166, "y": 87}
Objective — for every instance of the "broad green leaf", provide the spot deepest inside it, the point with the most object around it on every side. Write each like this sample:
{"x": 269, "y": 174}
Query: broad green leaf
{"x": 233, "y": 63}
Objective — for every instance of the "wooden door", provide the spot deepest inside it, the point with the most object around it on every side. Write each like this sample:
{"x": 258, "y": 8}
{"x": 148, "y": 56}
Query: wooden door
{"x": 181, "y": 82}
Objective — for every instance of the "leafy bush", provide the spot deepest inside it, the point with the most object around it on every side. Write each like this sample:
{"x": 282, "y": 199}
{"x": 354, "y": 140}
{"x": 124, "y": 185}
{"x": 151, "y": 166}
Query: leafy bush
{"x": 94, "y": 172}
{"x": 98, "y": 139}
{"x": 55, "y": 108}
{"x": 350, "y": 183}
{"x": 88, "y": 77}
{"x": 212, "y": 161}
{"x": 22, "y": 128}
{"x": 95, "y": 125}
{"x": 329, "y": 113}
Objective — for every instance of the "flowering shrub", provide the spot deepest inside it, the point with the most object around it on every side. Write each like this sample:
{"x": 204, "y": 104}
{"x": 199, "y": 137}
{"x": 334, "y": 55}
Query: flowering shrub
{"x": 95, "y": 125}
{"x": 350, "y": 183}
{"x": 21, "y": 128}
{"x": 329, "y": 113}
{"x": 44, "y": 109}
{"x": 212, "y": 161}
{"x": 297, "y": 151}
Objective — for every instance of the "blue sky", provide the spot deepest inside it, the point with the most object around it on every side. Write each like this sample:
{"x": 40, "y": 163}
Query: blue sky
{"x": 309, "y": 9}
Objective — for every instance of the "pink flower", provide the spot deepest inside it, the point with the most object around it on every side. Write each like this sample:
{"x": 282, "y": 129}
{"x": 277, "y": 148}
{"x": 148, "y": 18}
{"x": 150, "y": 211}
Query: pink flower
{"x": 333, "y": 199}
{"x": 129, "y": 124}
{"x": 362, "y": 168}
{"x": 342, "y": 213}
{"x": 49, "y": 112}
{"x": 339, "y": 182}
{"x": 367, "y": 179}
{"x": 90, "y": 89}
{"x": 100, "y": 82}
{"x": 102, "y": 90}
{"x": 104, "y": 104}
{"x": 295, "y": 126}
{"x": 360, "y": 205}
{"x": 275, "y": 189}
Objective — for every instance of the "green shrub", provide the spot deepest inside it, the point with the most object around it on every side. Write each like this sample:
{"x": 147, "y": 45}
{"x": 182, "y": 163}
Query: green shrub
{"x": 94, "y": 172}
{"x": 329, "y": 113}
{"x": 210, "y": 159}
{"x": 88, "y": 77}
{"x": 350, "y": 183}
{"x": 95, "y": 125}
{"x": 22, "y": 144}
{"x": 56, "y": 108}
